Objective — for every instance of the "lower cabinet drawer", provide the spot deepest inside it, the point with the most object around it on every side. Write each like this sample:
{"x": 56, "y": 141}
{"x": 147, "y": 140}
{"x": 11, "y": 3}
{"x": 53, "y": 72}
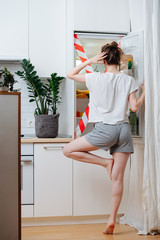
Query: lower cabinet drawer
{"x": 27, "y": 211}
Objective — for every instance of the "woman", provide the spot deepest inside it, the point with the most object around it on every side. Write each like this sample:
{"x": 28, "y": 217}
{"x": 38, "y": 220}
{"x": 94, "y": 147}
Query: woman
{"x": 110, "y": 93}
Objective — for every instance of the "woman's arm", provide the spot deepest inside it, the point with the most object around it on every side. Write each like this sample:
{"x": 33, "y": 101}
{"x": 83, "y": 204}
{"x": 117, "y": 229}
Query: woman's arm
{"x": 74, "y": 73}
{"x": 135, "y": 103}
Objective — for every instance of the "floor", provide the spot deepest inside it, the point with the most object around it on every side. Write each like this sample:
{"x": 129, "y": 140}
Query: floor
{"x": 82, "y": 231}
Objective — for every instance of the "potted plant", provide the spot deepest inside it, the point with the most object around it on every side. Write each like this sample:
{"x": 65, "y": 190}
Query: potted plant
{"x": 46, "y": 97}
{"x": 6, "y": 80}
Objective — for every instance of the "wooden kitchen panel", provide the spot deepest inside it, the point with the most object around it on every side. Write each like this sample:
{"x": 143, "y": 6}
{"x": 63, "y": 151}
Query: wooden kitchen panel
{"x": 65, "y": 140}
{"x": 10, "y": 166}
{"x": 46, "y": 140}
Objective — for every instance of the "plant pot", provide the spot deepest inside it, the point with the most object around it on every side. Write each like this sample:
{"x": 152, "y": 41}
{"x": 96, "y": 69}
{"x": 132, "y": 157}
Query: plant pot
{"x": 4, "y": 89}
{"x": 46, "y": 126}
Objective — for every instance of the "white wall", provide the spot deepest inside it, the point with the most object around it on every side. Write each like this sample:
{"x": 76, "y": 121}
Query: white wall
{"x": 136, "y": 15}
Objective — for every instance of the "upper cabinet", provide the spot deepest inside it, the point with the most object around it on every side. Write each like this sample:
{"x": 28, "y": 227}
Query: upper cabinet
{"x": 14, "y": 29}
{"x": 101, "y": 16}
{"x": 47, "y": 36}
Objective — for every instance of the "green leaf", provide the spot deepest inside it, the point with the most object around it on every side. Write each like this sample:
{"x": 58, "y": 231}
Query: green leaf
{"x": 33, "y": 74}
{"x": 31, "y": 100}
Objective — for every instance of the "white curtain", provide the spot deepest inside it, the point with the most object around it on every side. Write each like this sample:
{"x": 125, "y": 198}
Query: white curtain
{"x": 143, "y": 211}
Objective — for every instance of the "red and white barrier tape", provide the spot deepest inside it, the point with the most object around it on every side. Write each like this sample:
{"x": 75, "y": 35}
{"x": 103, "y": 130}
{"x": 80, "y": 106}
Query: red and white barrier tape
{"x": 82, "y": 55}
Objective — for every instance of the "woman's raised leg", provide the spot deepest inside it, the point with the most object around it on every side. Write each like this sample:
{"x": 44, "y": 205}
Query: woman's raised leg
{"x": 78, "y": 150}
{"x": 120, "y": 161}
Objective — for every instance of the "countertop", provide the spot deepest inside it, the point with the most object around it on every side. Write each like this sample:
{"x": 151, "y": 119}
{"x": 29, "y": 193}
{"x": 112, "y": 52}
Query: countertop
{"x": 138, "y": 140}
{"x": 61, "y": 138}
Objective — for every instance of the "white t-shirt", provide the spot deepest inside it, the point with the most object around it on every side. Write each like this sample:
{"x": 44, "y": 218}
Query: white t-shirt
{"x": 109, "y": 96}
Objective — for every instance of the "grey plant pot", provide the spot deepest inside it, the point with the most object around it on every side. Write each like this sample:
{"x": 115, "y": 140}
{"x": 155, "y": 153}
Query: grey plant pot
{"x": 46, "y": 126}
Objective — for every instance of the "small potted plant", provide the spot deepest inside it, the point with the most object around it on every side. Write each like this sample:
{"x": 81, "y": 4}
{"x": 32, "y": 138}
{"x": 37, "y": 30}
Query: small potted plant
{"x": 46, "y": 97}
{"x": 6, "y": 80}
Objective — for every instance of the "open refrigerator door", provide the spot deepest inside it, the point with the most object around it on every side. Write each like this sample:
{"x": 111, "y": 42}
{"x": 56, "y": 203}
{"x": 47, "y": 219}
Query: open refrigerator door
{"x": 132, "y": 45}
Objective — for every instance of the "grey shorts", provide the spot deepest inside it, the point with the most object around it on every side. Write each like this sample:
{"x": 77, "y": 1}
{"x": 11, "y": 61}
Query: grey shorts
{"x": 113, "y": 137}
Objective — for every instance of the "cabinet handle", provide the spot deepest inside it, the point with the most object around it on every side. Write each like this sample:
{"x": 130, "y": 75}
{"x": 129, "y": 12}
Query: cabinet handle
{"x": 50, "y": 148}
{"x": 26, "y": 161}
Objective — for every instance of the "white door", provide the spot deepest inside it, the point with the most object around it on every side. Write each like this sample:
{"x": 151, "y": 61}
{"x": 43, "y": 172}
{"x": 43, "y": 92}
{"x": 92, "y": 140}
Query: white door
{"x": 92, "y": 188}
{"x": 52, "y": 181}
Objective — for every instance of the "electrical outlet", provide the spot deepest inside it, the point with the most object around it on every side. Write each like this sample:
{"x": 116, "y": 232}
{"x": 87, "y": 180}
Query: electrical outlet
{"x": 30, "y": 123}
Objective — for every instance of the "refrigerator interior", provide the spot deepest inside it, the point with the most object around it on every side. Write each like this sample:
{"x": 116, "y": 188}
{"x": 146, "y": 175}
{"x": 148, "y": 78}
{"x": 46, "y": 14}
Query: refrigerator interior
{"x": 131, "y": 45}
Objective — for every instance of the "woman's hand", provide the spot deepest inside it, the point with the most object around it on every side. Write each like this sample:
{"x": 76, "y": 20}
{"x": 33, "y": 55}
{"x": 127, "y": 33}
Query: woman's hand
{"x": 98, "y": 58}
{"x": 74, "y": 73}
{"x": 143, "y": 87}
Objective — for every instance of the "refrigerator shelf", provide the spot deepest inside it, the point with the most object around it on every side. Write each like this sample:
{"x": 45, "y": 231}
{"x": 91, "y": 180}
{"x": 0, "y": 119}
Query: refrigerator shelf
{"x": 82, "y": 98}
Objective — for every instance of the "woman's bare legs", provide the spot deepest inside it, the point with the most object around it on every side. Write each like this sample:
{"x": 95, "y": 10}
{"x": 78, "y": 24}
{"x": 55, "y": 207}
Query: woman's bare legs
{"x": 120, "y": 161}
{"x": 78, "y": 150}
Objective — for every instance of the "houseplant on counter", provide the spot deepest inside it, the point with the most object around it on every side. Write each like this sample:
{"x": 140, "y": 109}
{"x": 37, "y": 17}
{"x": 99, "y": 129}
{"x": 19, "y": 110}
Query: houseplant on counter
{"x": 6, "y": 80}
{"x": 46, "y": 97}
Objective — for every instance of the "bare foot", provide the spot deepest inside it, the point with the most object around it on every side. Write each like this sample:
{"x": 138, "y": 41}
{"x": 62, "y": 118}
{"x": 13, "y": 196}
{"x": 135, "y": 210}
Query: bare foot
{"x": 109, "y": 229}
{"x": 109, "y": 166}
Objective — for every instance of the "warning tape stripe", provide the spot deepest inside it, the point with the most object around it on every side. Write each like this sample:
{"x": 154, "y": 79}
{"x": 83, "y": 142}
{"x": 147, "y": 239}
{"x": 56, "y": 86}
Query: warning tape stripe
{"x": 82, "y": 55}
{"x": 78, "y": 47}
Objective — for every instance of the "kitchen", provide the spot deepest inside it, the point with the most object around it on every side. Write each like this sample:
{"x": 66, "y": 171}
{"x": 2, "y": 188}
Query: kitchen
{"x": 52, "y": 190}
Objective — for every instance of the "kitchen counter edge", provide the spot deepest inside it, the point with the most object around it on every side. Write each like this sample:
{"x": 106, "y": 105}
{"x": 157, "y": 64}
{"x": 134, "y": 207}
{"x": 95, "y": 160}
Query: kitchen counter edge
{"x": 65, "y": 140}
{"x": 46, "y": 140}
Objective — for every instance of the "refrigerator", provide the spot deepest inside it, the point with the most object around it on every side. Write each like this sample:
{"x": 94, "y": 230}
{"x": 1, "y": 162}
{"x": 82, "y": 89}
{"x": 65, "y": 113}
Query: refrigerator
{"x": 10, "y": 165}
{"x": 132, "y": 46}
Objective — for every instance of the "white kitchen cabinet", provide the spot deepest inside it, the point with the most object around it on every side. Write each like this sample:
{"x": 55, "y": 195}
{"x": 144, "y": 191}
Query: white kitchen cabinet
{"x": 101, "y": 16}
{"x": 27, "y": 211}
{"x": 92, "y": 188}
{"x": 14, "y": 28}
{"x": 47, "y": 36}
{"x": 52, "y": 181}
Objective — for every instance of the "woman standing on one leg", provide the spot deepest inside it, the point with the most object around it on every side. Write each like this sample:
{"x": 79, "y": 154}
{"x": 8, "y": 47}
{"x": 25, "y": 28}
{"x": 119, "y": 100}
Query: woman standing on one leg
{"x": 110, "y": 94}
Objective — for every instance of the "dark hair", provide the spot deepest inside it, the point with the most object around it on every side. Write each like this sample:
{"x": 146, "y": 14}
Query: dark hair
{"x": 113, "y": 53}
